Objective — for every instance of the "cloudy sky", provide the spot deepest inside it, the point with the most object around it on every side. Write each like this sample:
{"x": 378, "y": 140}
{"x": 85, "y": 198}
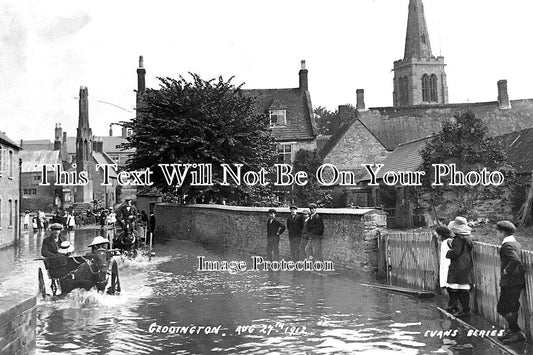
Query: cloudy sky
{"x": 51, "y": 48}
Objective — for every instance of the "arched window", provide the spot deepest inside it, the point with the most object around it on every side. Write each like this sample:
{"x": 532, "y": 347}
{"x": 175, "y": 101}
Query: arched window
{"x": 11, "y": 163}
{"x": 433, "y": 88}
{"x": 429, "y": 88}
{"x": 404, "y": 91}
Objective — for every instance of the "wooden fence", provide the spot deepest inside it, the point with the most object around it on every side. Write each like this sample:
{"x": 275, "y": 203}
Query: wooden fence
{"x": 411, "y": 259}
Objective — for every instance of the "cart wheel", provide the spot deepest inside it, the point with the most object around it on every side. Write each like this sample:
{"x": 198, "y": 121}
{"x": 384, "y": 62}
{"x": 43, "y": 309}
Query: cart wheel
{"x": 42, "y": 288}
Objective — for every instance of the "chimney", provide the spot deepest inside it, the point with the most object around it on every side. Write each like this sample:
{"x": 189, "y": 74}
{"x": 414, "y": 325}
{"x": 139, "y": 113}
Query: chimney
{"x": 98, "y": 146}
{"x": 304, "y": 83}
{"x": 503, "y": 96}
{"x": 57, "y": 138}
{"x": 64, "y": 153}
{"x": 360, "y": 106}
{"x": 124, "y": 132}
{"x": 110, "y": 130}
{"x": 141, "y": 73}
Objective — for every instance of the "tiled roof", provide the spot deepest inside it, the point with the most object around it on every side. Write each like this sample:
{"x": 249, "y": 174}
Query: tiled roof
{"x": 102, "y": 158}
{"x": 110, "y": 144}
{"x": 518, "y": 146}
{"x": 30, "y": 158}
{"x": 5, "y": 139}
{"x": 406, "y": 157}
{"x": 300, "y": 123}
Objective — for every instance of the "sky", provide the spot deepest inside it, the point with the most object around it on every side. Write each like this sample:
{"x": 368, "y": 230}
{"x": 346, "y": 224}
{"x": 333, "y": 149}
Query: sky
{"x": 51, "y": 48}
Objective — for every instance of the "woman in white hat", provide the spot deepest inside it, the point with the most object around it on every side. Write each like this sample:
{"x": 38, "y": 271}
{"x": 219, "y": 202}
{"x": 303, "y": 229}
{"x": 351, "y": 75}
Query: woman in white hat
{"x": 461, "y": 264}
{"x": 65, "y": 248}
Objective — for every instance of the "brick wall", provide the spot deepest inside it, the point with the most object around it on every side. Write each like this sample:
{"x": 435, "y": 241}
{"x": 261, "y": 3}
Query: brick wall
{"x": 350, "y": 238}
{"x": 18, "y": 318}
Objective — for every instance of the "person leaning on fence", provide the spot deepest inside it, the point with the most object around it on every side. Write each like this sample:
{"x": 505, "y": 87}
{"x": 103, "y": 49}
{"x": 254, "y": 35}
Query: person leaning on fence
{"x": 315, "y": 231}
{"x": 305, "y": 237}
{"x": 461, "y": 264}
{"x": 274, "y": 230}
{"x": 295, "y": 224}
{"x": 512, "y": 282}
{"x": 445, "y": 235}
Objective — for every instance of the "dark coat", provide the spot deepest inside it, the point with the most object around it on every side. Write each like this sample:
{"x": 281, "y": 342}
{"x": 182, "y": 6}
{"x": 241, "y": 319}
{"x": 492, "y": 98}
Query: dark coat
{"x": 274, "y": 227}
{"x": 315, "y": 226}
{"x": 512, "y": 264}
{"x": 295, "y": 225}
{"x": 50, "y": 247}
{"x": 460, "y": 271}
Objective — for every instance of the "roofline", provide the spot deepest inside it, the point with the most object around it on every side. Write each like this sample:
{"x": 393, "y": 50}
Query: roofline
{"x": 449, "y": 105}
{"x": 9, "y": 143}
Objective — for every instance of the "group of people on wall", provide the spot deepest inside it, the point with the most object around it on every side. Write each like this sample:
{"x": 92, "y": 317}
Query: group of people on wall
{"x": 305, "y": 234}
{"x": 456, "y": 273}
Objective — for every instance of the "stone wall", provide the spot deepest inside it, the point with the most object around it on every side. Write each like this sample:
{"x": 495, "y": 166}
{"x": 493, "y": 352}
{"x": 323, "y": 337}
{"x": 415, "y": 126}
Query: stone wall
{"x": 350, "y": 237}
{"x": 18, "y": 319}
{"x": 9, "y": 195}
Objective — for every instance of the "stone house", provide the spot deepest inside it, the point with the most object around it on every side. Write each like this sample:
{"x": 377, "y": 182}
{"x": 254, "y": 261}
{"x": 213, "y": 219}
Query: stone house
{"x": 34, "y": 195}
{"x": 291, "y": 117}
{"x": 9, "y": 191}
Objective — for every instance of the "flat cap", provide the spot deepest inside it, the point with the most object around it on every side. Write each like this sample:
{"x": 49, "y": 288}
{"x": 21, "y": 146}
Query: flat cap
{"x": 506, "y": 226}
{"x": 312, "y": 205}
{"x": 293, "y": 207}
{"x": 271, "y": 210}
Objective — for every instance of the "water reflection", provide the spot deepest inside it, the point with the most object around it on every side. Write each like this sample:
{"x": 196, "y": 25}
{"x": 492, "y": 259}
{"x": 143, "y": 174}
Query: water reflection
{"x": 258, "y": 312}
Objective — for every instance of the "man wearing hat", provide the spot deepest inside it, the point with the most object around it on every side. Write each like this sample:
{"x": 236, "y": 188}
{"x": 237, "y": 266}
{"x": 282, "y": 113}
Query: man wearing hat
{"x": 461, "y": 265}
{"x": 51, "y": 243}
{"x": 274, "y": 230}
{"x": 315, "y": 232}
{"x": 295, "y": 224}
{"x": 512, "y": 282}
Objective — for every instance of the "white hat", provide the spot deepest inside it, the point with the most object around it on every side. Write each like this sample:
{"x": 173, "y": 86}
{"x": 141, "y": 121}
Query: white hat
{"x": 459, "y": 226}
{"x": 65, "y": 247}
{"x": 98, "y": 240}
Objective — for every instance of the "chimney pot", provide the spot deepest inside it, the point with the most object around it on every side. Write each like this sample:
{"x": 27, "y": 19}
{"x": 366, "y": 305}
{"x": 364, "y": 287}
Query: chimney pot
{"x": 302, "y": 63}
{"x": 503, "y": 96}
{"x": 141, "y": 61}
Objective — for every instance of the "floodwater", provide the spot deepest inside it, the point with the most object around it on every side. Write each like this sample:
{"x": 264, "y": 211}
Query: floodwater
{"x": 168, "y": 306}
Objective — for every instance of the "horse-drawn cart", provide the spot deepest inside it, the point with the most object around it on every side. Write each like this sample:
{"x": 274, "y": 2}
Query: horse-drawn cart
{"x": 97, "y": 269}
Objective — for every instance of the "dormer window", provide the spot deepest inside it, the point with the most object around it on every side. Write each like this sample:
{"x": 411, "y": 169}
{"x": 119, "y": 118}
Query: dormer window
{"x": 277, "y": 117}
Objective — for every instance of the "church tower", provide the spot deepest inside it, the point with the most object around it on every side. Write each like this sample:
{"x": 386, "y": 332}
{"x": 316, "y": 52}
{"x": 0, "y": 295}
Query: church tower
{"x": 419, "y": 78}
{"x": 84, "y": 149}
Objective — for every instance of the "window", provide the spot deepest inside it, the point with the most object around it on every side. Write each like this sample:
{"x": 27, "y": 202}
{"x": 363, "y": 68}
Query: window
{"x": 2, "y": 160}
{"x": 423, "y": 38}
{"x": 37, "y": 177}
{"x": 429, "y": 88}
{"x": 277, "y": 117}
{"x": 10, "y": 213}
{"x": 285, "y": 153}
{"x": 34, "y": 191}
{"x": 11, "y": 164}
{"x": 404, "y": 88}
{"x": 25, "y": 191}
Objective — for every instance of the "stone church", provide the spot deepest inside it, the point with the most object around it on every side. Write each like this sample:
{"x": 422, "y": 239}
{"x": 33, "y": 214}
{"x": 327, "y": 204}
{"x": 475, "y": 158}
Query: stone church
{"x": 420, "y": 105}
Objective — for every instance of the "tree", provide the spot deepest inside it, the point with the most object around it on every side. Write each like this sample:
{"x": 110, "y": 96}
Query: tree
{"x": 328, "y": 122}
{"x": 463, "y": 142}
{"x": 200, "y": 121}
{"x": 308, "y": 161}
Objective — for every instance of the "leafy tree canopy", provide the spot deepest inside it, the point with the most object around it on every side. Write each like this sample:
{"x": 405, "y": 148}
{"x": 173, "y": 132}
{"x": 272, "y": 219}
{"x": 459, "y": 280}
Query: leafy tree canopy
{"x": 200, "y": 121}
{"x": 465, "y": 143}
{"x": 329, "y": 121}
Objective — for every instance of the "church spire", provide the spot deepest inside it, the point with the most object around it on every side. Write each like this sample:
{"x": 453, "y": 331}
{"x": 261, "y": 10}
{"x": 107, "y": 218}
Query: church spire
{"x": 417, "y": 43}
